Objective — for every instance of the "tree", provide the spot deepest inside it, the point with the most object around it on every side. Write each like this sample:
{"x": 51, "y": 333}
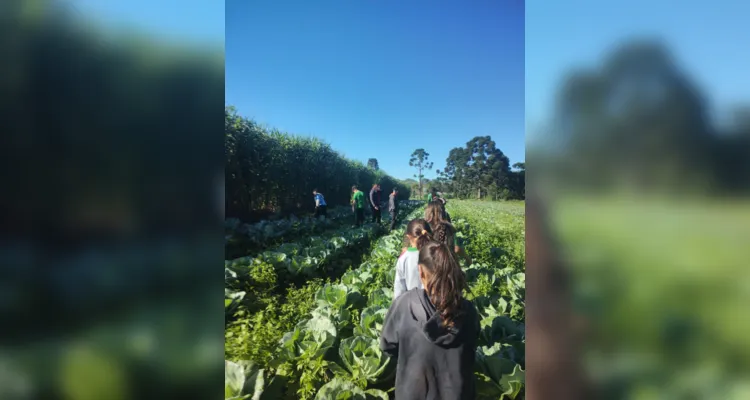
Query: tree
{"x": 489, "y": 166}
{"x": 479, "y": 170}
{"x": 638, "y": 119}
{"x": 373, "y": 164}
{"x": 419, "y": 160}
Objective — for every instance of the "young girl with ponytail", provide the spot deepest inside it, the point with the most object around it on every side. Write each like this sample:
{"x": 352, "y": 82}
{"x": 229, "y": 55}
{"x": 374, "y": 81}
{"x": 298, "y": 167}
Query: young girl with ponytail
{"x": 445, "y": 233}
{"x": 433, "y": 331}
{"x": 443, "y": 230}
{"x": 418, "y": 234}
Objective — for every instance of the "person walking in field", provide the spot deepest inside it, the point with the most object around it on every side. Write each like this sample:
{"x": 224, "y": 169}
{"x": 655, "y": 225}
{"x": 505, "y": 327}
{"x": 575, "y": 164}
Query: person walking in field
{"x": 445, "y": 233}
{"x": 445, "y": 212}
{"x": 375, "y": 203}
{"x": 358, "y": 205}
{"x": 431, "y": 195}
{"x": 407, "y": 274}
{"x": 443, "y": 230}
{"x": 393, "y": 207}
{"x": 320, "y": 204}
{"x": 432, "y": 332}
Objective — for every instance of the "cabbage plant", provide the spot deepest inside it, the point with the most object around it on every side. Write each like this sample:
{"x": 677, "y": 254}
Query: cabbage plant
{"x": 311, "y": 338}
{"x": 336, "y": 301}
{"x": 362, "y": 361}
{"x": 497, "y": 377}
{"x": 380, "y": 297}
{"x": 242, "y": 380}
{"x": 371, "y": 322}
{"x": 342, "y": 389}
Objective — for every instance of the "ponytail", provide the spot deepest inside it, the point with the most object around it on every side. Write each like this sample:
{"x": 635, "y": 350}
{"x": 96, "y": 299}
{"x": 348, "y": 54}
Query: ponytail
{"x": 445, "y": 233}
{"x": 446, "y": 281}
{"x": 420, "y": 230}
{"x": 434, "y": 213}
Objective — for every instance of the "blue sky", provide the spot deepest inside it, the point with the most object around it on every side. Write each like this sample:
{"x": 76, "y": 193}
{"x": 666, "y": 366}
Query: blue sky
{"x": 199, "y": 21}
{"x": 378, "y": 78}
{"x": 709, "y": 41}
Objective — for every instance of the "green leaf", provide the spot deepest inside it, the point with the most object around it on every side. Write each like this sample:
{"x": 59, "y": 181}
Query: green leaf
{"x": 340, "y": 389}
{"x": 243, "y": 380}
{"x": 361, "y": 357}
{"x": 371, "y": 322}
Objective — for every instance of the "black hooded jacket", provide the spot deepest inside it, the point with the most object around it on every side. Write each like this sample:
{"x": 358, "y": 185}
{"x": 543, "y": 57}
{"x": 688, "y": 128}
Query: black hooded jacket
{"x": 434, "y": 362}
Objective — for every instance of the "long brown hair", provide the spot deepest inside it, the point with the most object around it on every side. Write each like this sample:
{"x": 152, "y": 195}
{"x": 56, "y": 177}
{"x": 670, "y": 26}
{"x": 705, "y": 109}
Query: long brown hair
{"x": 446, "y": 281}
{"x": 445, "y": 233}
{"x": 418, "y": 229}
{"x": 434, "y": 214}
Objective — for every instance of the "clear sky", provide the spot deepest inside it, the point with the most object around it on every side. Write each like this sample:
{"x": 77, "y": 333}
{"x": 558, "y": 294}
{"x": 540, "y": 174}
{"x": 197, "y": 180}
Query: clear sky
{"x": 708, "y": 39}
{"x": 200, "y": 21}
{"x": 381, "y": 78}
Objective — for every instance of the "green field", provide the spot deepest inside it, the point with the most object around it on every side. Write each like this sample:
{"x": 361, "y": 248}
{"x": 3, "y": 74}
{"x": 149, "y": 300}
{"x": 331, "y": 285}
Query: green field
{"x": 304, "y": 317}
{"x": 665, "y": 285}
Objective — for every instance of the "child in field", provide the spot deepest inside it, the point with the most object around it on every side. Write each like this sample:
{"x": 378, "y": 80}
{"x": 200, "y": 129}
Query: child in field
{"x": 432, "y": 195}
{"x": 443, "y": 231}
{"x": 433, "y": 332}
{"x": 445, "y": 212}
{"x": 407, "y": 276}
{"x": 358, "y": 206}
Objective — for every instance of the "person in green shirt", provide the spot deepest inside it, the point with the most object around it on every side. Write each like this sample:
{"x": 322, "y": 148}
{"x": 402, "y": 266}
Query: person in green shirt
{"x": 358, "y": 205}
{"x": 432, "y": 195}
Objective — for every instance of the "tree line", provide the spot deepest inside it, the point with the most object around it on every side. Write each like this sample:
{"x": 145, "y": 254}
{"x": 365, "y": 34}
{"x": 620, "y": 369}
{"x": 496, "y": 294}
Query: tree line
{"x": 479, "y": 170}
{"x": 639, "y": 121}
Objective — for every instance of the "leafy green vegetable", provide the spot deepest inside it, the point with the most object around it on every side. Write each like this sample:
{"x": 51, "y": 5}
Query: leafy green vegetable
{"x": 371, "y": 322}
{"x": 335, "y": 302}
{"x": 342, "y": 389}
{"x": 498, "y": 378}
{"x": 381, "y": 297}
{"x": 312, "y": 338}
{"x": 231, "y": 300}
{"x": 242, "y": 380}
{"x": 362, "y": 361}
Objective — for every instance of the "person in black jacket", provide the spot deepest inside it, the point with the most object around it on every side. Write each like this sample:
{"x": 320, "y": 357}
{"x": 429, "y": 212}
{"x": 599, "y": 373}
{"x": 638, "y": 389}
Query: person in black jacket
{"x": 375, "y": 203}
{"x": 433, "y": 332}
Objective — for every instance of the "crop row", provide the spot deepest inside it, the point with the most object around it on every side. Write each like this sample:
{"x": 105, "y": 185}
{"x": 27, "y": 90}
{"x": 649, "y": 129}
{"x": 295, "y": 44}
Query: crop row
{"x": 243, "y": 239}
{"x": 334, "y": 353}
{"x": 293, "y": 263}
{"x": 500, "y": 240}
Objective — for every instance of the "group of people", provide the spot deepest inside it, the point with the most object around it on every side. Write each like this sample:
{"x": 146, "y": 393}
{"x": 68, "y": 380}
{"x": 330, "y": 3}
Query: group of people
{"x": 430, "y": 327}
{"x": 374, "y": 200}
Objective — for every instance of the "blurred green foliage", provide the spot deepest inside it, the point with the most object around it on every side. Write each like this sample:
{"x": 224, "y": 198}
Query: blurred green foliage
{"x": 647, "y": 194}
{"x": 110, "y": 149}
{"x": 637, "y": 122}
{"x": 664, "y": 285}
